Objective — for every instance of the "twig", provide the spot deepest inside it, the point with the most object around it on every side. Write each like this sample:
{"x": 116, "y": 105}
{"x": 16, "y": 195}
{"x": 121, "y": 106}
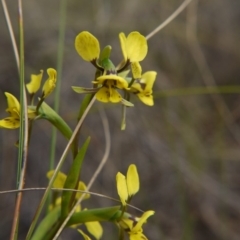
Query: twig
{"x": 169, "y": 19}
{"x": 10, "y": 29}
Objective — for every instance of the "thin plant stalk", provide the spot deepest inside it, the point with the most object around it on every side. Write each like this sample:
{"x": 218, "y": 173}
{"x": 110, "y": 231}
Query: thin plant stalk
{"x": 10, "y": 29}
{"x": 23, "y": 132}
{"x": 57, "y": 169}
{"x": 62, "y": 24}
{"x": 169, "y": 19}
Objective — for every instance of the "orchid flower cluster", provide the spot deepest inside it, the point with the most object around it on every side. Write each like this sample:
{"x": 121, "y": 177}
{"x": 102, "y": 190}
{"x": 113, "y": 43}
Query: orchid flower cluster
{"x": 109, "y": 78}
{"x": 110, "y": 84}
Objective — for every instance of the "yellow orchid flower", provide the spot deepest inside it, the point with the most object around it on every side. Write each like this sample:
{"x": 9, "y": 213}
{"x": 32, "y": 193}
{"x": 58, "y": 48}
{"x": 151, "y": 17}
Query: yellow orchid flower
{"x": 13, "y": 109}
{"x": 50, "y": 83}
{"x": 143, "y": 87}
{"x": 35, "y": 82}
{"x": 94, "y": 228}
{"x": 108, "y": 92}
{"x": 60, "y": 180}
{"x": 127, "y": 186}
{"x": 134, "y": 227}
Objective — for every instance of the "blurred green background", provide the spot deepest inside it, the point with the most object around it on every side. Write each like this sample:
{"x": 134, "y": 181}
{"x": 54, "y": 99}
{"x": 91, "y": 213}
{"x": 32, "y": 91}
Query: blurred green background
{"x": 186, "y": 146}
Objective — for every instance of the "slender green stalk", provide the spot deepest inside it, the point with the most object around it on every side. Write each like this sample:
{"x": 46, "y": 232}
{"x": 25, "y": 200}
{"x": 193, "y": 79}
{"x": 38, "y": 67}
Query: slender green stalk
{"x": 63, "y": 7}
{"x": 62, "y": 24}
{"x": 23, "y": 133}
{"x": 169, "y": 19}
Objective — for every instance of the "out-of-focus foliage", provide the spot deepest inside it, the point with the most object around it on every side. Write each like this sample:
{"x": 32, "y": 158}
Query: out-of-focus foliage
{"x": 187, "y": 154}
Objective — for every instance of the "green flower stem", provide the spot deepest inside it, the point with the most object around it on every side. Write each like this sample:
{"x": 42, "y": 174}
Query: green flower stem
{"x": 23, "y": 132}
{"x": 110, "y": 214}
{"x": 46, "y": 112}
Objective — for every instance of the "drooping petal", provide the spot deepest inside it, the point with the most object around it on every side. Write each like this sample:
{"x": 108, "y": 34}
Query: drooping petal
{"x": 122, "y": 188}
{"x": 146, "y": 99}
{"x": 142, "y": 220}
{"x": 136, "y": 45}
{"x": 35, "y": 82}
{"x": 136, "y": 70}
{"x": 87, "y": 46}
{"x": 149, "y": 78}
{"x": 50, "y": 83}
{"x": 60, "y": 179}
{"x": 13, "y": 105}
{"x": 10, "y": 123}
{"x": 132, "y": 180}
{"x": 85, "y": 236}
{"x": 95, "y": 229}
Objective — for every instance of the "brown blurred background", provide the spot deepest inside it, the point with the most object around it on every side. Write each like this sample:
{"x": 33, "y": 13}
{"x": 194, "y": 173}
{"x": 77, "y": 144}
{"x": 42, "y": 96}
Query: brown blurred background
{"x": 186, "y": 146}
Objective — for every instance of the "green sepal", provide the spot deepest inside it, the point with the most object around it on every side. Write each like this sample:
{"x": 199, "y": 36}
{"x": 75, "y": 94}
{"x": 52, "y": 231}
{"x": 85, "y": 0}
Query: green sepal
{"x": 72, "y": 181}
{"x": 46, "y": 224}
{"x": 127, "y": 103}
{"x": 108, "y": 66}
{"x": 124, "y": 75}
{"x": 46, "y": 112}
{"x": 84, "y": 90}
{"x": 123, "y": 123}
{"x": 110, "y": 214}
